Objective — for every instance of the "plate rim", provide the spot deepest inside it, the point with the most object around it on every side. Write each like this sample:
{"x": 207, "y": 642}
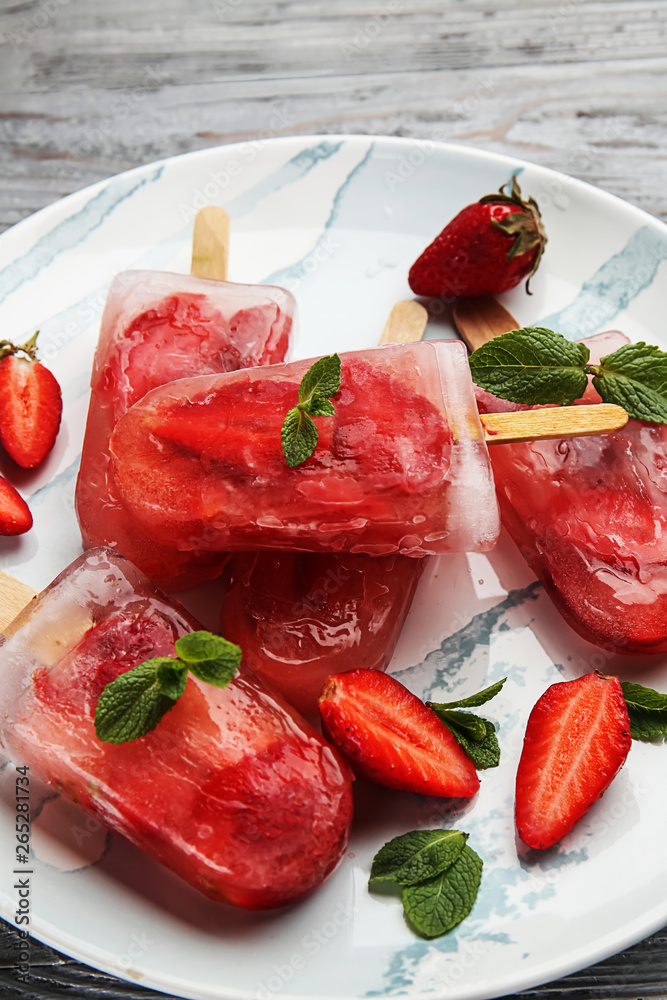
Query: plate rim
{"x": 39, "y": 223}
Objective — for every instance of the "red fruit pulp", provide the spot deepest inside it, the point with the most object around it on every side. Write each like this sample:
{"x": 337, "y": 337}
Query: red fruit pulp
{"x": 180, "y": 336}
{"x": 15, "y": 516}
{"x": 198, "y": 466}
{"x": 577, "y": 738}
{"x": 232, "y": 790}
{"x": 392, "y": 738}
{"x": 301, "y": 616}
{"x": 30, "y": 410}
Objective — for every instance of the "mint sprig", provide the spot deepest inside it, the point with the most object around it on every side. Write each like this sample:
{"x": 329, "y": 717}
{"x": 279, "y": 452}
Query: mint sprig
{"x": 647, "y": 711}
{"x": 132, "y": 705}
{"x": 534, "y": 366}
{"x": 476, "y": 735}
{"x": 299, "y": 433}
{"x": 439, "y": 877}
{"x": 417, "y": 856}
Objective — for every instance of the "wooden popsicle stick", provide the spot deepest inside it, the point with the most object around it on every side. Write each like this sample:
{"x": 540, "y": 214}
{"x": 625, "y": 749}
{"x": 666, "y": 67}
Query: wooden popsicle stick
{"x": 14, "y": 596}
{"x": 406, "y": 323}
{"x": 210, "y": 244}
{"x": 480, "y": 320}
{"x": 554, "y": 422}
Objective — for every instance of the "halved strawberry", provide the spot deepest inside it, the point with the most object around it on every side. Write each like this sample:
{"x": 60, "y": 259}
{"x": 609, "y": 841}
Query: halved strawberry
{"x": 15, "y": 516}
{"x": 392, "y": 738}
{"x": 577, "y": 738}
{"x": 30, "y": 406}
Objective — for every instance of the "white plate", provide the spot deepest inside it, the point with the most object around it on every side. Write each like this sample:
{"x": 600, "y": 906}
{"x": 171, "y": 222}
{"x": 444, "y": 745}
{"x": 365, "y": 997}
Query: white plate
{"x": 339, "y": 221}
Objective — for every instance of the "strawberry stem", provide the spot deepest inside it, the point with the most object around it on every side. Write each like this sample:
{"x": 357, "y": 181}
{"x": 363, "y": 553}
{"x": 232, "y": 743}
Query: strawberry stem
{"x": 8, "y": 348}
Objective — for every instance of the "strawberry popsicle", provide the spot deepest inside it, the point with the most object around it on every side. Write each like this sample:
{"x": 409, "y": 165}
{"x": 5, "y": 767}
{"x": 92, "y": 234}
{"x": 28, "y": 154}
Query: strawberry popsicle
{"x": 301, "y": 616}
{"x": 158, "y": 327}
{"x": 231, "y": 790}
{"x": 400, "y": 467}
{"x": 589, "y": 515}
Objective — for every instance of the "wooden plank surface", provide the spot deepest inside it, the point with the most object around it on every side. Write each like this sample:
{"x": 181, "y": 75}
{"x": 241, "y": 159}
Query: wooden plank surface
{"x": 88, "y": 89}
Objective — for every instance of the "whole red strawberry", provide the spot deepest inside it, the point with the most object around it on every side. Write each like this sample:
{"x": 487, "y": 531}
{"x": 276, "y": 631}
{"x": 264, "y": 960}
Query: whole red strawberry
{"x": 486, "y": 249}
{"x": 577, "y": 738}
{"x": 30, "y": 404}
{"x": 15, "y": 516}
{"x": 392, "y": 738}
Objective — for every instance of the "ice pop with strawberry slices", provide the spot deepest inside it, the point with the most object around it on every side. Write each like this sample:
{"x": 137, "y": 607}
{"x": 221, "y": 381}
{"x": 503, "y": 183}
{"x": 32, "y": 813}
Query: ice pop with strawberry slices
{"x": 400, "y": 468}
{"x": 231, "y": 790}
{"x": 158, "y": 327}
{"x": 589, "y": 514}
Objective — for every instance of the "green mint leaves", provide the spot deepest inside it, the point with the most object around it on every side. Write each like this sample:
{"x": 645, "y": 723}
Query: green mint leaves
{"x": 439, "y": 876}
{"x": 534, "y": 365}
{"x": 133, "y": 704}
{"x": 299, "y": 433}
{"x": 647, "y": 711}
{"x": 635, "y": 377}
{"x": 531, "y": 365}
{"x": 476, "y": 735}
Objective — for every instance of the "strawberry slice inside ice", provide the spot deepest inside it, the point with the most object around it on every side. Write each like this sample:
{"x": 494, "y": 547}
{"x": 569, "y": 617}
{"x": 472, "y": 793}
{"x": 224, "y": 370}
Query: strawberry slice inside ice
{"x": 238, "y": 428}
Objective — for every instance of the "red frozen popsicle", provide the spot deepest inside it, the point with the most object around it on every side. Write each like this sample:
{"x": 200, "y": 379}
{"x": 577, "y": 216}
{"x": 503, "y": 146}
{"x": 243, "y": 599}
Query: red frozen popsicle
{"x": 401, "y": 468}
{"x": 232, "y": 790}
{"x": 158, "y": 327}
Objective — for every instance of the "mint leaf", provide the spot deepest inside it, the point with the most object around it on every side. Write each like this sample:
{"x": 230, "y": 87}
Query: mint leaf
{"x": 435, "y": 906}
{"x": 635, "y": 377}
{"x": 531, "y": 365}
{"x": 321, "y": 381}
{"x": 321, "y": 408}
{"x": 171, "y": 676}
{"x": 483, "y": 753}
{"x": 647, "y": 711}
{"x": 473, "y": 700}
{"x": 299, "y": 433}
{"x": 414, "y": 857}
{"x": 132, "y": 704}
{"x": 299, "y": 437}
{"x": 209, "y": 657}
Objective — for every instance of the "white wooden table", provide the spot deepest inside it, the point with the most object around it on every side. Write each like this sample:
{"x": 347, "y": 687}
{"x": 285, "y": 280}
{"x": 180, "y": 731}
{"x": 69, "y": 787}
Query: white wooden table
{"x": 89, "y": 88}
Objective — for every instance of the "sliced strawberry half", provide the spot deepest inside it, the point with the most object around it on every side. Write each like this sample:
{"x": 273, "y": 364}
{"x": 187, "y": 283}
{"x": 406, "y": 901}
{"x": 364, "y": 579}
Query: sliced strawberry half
{"x": 577, "y": 738}
{"x": 30, "y": 409}
{"x": 392, "y": 738}
{"x": 15, "y": 516}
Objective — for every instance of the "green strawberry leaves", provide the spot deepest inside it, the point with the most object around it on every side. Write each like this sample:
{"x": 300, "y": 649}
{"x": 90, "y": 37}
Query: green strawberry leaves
{"x": 476, "y": 735}
{"x": 132, "y": 705}
{"x": 299, "y": 433}
{"x": 439, "y": 877}
{"x": 534, "y": 366}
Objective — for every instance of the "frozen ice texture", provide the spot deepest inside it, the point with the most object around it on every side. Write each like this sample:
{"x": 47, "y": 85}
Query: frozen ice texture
{"x": 233, "y": 791}
{"x": 589, "y": 515}
{"x": 402, "y": 467}
{"x": 301, "y": 616}
{"x": 158, "y": 327}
